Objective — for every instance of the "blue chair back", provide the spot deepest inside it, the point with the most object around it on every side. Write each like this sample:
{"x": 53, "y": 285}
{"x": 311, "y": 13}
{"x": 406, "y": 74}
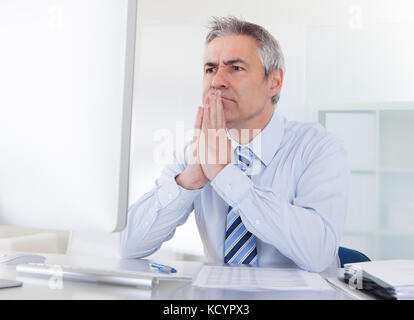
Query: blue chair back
{"x": 351, "y": 256}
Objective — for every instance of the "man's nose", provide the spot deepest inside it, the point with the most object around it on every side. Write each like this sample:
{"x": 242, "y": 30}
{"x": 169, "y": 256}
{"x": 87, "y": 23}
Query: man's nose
{"x": 220, "y": 79}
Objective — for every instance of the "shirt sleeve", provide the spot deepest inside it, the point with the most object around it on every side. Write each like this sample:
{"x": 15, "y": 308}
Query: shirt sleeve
{"x": 307, "y": 230}
{"x": 154, "y": 218}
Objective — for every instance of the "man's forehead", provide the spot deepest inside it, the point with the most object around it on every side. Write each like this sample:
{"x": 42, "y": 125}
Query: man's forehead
{"x": 231, "y": 48}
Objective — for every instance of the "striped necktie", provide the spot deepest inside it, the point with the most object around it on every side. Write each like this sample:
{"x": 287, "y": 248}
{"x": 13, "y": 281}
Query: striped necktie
{"x": 240, "y": 244}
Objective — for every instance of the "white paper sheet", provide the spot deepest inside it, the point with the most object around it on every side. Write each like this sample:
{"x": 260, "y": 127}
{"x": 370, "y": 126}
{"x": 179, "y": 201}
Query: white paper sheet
{"x": 251, "y": 278}
{"x": 396, "y": 273}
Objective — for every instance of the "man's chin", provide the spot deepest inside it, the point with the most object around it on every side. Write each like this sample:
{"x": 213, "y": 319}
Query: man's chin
{"x": 231, "y": 123}
{"x": 232, "y": 117}
{"x": 228, "y": 116}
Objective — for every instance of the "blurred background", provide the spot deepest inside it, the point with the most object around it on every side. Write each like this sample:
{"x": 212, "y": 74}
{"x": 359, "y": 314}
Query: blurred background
{"x": 349, "y": 66}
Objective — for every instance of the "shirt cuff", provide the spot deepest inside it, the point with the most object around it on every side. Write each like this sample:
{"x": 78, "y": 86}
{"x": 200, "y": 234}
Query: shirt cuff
{"x": 232, "y": 184}
{"x": 173, "y": 196}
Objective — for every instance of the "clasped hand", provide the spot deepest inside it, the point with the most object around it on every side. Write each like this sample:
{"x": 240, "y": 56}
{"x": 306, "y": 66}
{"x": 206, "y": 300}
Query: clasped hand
{"x": 210, "y": 150}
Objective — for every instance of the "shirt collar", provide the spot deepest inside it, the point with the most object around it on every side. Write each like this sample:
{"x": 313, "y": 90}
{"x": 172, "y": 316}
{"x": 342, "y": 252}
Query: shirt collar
{"x": 268, "y": 141}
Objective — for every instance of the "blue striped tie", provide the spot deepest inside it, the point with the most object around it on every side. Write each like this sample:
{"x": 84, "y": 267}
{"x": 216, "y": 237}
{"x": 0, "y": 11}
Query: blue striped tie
{"x": 240, "y": 244}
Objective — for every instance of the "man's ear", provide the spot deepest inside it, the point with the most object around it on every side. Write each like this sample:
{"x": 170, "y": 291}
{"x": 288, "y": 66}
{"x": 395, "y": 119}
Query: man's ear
{"x": 275, "y": 80}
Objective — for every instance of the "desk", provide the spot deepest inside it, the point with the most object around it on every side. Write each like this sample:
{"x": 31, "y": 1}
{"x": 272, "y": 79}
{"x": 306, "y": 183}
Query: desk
{"x": 34, "y": 288}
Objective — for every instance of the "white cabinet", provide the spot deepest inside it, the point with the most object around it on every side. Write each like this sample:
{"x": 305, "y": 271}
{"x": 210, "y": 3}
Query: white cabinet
{"x": 379, "y": 141}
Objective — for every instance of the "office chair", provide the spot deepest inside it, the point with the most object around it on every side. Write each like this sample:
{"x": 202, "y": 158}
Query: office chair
{"x": 349, "y": 256}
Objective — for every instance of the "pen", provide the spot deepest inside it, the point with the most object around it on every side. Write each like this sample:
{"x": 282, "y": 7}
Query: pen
{"x": 163, "y": 268}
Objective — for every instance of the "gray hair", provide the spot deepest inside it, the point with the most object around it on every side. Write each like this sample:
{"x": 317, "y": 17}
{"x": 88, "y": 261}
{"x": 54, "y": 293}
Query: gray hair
{"x": 270, "y": 54}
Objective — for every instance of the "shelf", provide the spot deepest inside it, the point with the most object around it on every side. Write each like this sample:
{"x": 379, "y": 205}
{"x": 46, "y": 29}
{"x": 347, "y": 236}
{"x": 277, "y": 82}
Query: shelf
{"x": 358, "y": 132}
{"x": 394, "y": 233}
{"x": 395, "y": 130}
{"x": 396, "y": 170}
{"x": 396, "y": 246}
{"x": 381, "y": 170}
{"x": 363, "y": 106}
{"x": 396, "y": 201}
{"x": 363, "y": 171}
{"x": 380, "y": 218}
{"x": 361, "y": 233}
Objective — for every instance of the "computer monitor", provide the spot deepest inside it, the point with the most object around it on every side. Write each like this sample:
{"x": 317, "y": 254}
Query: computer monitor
{"x": 66, "y": 83}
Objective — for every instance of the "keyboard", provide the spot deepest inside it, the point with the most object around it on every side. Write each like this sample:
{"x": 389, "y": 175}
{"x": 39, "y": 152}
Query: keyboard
{"x": 141, "y": 280}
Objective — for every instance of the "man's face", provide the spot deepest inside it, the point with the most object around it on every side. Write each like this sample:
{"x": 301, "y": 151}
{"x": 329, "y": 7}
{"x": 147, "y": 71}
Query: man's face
{"x": 232, "y": 65}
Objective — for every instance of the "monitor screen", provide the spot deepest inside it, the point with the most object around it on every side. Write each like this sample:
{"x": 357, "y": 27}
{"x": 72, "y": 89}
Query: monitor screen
{"x": 66, "y": 84}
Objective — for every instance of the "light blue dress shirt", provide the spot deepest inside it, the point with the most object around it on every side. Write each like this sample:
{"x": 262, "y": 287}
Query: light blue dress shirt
{"x": 295, "y": 205}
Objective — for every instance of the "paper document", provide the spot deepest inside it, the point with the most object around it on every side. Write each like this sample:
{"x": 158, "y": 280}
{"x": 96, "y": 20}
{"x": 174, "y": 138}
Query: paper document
{"x": 387, "y": 279}
{"x": 395, "y": 273}
{"x": 252, "y": 278}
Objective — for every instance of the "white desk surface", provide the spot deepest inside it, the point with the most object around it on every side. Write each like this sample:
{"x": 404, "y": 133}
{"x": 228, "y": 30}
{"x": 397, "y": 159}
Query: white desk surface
{"x": 39, "y": 289}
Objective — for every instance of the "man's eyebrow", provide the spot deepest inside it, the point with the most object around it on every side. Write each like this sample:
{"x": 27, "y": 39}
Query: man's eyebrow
{"x": 234, "y": 61}
{"x": 210, "y": 64}
{"x": 228, "y": 62}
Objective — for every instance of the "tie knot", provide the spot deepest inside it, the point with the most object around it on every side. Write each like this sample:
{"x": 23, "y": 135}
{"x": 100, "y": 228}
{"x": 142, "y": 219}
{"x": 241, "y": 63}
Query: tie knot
{"x": 245, "y": 158}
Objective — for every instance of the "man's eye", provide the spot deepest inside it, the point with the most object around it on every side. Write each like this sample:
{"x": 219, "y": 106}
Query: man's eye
{"x": 210, "y": 70}
{"x": 237, "y": 68}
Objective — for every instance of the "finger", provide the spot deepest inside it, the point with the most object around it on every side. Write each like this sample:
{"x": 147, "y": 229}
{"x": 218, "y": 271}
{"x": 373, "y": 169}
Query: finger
{"x": 202, "y": 141}
{"x": 207, "y": 100}
{"x": 206, "y": 116}
{"x": 213, "y": 111}
{"x": 221, "y": 122}
{"x": 199, "y": 118}
{"x": 198, "y": 123}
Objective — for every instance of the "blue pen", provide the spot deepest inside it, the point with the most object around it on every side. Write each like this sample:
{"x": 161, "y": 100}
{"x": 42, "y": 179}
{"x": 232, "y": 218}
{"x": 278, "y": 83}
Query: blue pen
{"x": 163, "y": 268}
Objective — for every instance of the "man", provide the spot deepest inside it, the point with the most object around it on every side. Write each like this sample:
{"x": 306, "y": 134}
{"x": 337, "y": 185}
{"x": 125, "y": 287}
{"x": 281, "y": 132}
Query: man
{"x": 272, "y": 192}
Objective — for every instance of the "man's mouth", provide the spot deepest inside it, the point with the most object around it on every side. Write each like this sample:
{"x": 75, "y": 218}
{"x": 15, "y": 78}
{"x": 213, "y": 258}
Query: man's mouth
{"x": 228, "y": 99}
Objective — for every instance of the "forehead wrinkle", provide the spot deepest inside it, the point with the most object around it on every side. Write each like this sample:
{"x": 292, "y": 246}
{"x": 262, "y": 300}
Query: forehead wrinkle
{"x": 234, "y": 61}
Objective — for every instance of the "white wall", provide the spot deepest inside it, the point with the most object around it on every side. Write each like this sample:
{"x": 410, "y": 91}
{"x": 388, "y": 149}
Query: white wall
{"x": 372, "y": 63}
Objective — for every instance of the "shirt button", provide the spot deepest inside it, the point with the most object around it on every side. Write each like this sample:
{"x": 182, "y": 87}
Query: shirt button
{"x": 257, "y": 221}
{"x": 227, "y": 187}
{"x": 181, "y": 201}
{"x": 170, "y": 196}
{"x": 146, "y": 223}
